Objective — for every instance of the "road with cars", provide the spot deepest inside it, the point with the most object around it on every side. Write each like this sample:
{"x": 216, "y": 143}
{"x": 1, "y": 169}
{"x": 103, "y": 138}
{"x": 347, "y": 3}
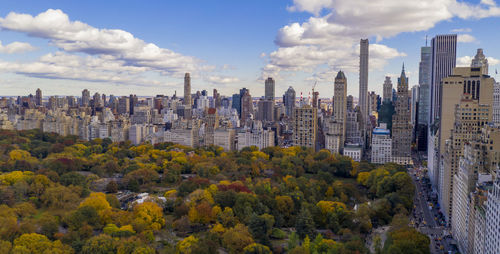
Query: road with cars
{"x": 425, "y": 216}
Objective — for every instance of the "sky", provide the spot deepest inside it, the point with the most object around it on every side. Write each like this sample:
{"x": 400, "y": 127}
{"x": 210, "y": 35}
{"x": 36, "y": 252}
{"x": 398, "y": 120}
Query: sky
{"x": 145, "y": 47}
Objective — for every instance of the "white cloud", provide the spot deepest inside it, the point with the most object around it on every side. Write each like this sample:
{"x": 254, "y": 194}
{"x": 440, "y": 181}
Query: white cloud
{"x": 16, "y": 47}
{"x": 488, "y": 2}
{"x": 331, "y": 36}
{"x": 461, "y": 30}
{"x": 115, "y": 51}
{"x": 221, "y": 80}
{"x": 466, "y": 38}
{"x": 465, "y": 61}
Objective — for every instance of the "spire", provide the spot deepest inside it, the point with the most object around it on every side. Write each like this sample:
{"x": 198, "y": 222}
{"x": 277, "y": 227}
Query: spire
{"x": 403, "y": 71}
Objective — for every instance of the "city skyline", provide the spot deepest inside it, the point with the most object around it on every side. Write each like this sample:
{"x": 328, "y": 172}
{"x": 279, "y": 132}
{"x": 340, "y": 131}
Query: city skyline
{"x": 292, "y": 45}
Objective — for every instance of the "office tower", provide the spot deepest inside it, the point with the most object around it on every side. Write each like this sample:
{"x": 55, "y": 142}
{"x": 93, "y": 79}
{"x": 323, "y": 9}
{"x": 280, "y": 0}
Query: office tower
{"x": 387, "y": 89}
{"x": 350, "y": 102}
{"x": 304, "y": 125}
{"x": 480, "y": 61}
{"x": 401, "y": 126}
{"x": 414, "y": 103}
{"x": 85, "y": 98}
{"x": 246, "y": 106}
{"x": 443, "y": 60}
{"x": 363, "y": 86}
{"x": 424, "y": 81}
{"x": 335, "y": 132}
{"x": 289, "y": 101}
{"x": 236, "y": 103}
{"x": 265, "y": 111}
{"x": 187, "y": 90}
{"x": 444, "y": 56}
{"x": 269, "y": 87}
{"x": 496, "y": 104}
{"x": 381, "y": 145}
{"x": 133, "y": 102}
{"x": 38, "y": 97}
{"x": 464, "y": 80}
{"x": 104, "y": 101}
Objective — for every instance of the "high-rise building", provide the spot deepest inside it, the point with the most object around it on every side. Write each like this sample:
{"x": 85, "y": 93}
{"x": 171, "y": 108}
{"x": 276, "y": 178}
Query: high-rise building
{"x": 246, "y": 106}
{"x": 444, "y": 58}
{"x": 236, "y": 103}
{"x": 492, "y": 223}
{"x": 335, "y": 132}
{"x": 387, "y": 95}
{"x": 373, "y": 102}
{"x": 350, "y": 102}
{"x": 38, "y": 97}
{"x": 85, "y": 98}
{"x": 211, "y": 124}
{"x": 265, "y": 111}
{"x": 470, "y": 117}
{"x": 216, "y": 98}
{"x": 415, "y": 90}
{"x": 363, "y": 86}
{"x": 123, "y": 105}
{"x": 187, "y": 90}
{"x": 480, "y": 61}
{"x": 269, "y": 89}
{"x": 424, "y": 81}
{"x": 305, "y": 124}
{"x": 496, "y": 104}
{"x": 464, "y": 80}
{"x": 289, "y": 101}
{"x": 401, "y": 126}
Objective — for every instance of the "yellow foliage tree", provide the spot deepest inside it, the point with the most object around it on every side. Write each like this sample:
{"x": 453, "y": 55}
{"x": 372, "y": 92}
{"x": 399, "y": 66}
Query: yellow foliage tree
{"x": 15, "y": 176}
{"x": 330, "y": 206}
{"x": 96, "y": 200}
{"x": 36, "y": 243}
{"x": 184, "y": 246}
{"x": 363, "y": 178}
{"x": 148, "y": 215}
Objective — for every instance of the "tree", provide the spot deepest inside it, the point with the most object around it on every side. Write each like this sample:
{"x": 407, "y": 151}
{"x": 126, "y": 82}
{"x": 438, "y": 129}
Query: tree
{"x": 305, "y": 223}
{"x": 256, "y": 248}
{"x": 148, "y": 216}
{"x": 237, "y": 238}
{"x": 35, "y": 243}
{"x": 261, "y": 227}
{"x": 101, "y": 244}
{"x": 112, "y": 187}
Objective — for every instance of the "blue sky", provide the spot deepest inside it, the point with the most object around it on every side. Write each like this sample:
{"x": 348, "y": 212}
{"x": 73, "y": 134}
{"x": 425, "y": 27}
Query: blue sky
{"x": 225, "y": 44}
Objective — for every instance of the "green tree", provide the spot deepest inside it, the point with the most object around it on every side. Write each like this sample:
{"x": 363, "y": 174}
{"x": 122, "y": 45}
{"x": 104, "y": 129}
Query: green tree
{"x": 305, "y": 223}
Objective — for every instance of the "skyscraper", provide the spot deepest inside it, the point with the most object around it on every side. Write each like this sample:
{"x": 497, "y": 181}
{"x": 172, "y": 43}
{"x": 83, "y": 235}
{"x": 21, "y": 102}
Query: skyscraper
{"x": 38, "y": 97}
{"x": 387, "y": 89}
{"x": 289, "y": 101}
{"x": 246, "y": 106}
{"x": 269, "y": 87}
{"x": 444, "y": 57}
{"x": 480, "y": 61}
{"x": 424, "y": 81}
{"x": 443, "y": 60}
{"x": 85, "y": 98}
{"x": 401, "y": 127}
{"x": 363, "y": 85}
{"x": 187, "y": 90}
{"x": 305, "y": 124}
{"x": 336, "y": 127}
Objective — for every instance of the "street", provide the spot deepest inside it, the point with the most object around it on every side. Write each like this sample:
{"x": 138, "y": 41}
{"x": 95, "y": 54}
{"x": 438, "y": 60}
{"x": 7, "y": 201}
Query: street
{"x": 426, "y": 217}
